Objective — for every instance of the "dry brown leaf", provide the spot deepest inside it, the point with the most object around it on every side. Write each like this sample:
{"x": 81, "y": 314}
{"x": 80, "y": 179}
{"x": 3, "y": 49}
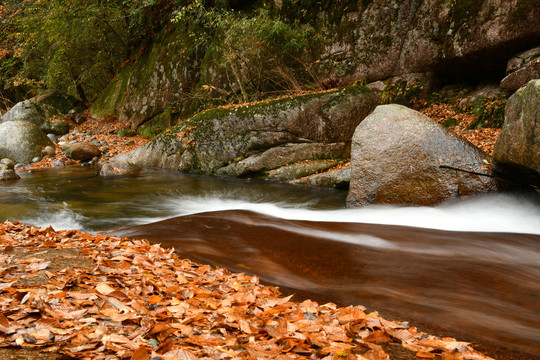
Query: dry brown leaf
{"x": 4, "y": 324}
{"x": 104, "y": 289}
{"x": 141, "y": 353}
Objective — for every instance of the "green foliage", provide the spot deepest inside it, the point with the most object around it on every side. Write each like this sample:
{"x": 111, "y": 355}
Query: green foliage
{"x": 148, "y": 132}
{"x": 450, "y": 122}
{"x": 490, "y": 113}
{"x": 75, "y": 46}
{"x": 400, "y": 92}
{"x": 255, "y": 55}
{"x": 126, "y": 132}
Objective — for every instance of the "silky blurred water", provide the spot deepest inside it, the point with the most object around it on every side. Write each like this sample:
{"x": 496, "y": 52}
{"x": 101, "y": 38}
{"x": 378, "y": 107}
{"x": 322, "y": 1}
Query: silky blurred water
{"x": 469, "y": 267}
{"x": 75, "y": 197}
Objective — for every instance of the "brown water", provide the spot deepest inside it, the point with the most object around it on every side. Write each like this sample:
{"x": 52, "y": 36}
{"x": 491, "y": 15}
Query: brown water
{"x": 478, "y": 286}
{"x": 481, "y": 286}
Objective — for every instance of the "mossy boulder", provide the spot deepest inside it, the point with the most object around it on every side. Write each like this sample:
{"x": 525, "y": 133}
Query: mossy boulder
{"x": 40, "y": 109}
{"x": 245, "y": 139}
{"x": 400, "y": 156}
{"x": 380, "y": 39}
{"x": 22, "y": 141}
{"x": 517, "y": 150}
{"x": 25, "y": 110}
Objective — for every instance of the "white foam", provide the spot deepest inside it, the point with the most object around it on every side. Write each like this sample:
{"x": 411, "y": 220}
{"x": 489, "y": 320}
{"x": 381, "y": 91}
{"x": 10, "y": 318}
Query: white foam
{"x": 59, "y": 217}
{"x": 489, "y": 213}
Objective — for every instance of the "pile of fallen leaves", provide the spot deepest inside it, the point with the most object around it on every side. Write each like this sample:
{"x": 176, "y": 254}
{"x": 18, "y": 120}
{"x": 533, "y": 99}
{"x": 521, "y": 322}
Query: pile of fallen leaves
{"x": 483, "y": 138}
{"x": 128, "y": 299}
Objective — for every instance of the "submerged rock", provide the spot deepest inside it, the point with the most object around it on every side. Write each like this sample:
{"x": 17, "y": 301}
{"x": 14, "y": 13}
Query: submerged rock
{"x": 117, "y": 168}
{"x": 517, "y": 150}
{"x": 22, "y": 141}
{"x": 400, "y": 156}
{"x": 8, "y": 174}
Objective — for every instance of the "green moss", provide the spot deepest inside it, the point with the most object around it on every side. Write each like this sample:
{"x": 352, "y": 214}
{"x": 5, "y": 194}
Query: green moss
{"x": 114, "y": 95}
{"x": 450, "y": 122}
{"x": 466, "y": 11}
{"x": 173, "y": 48}
{"x": 126, "y": 132}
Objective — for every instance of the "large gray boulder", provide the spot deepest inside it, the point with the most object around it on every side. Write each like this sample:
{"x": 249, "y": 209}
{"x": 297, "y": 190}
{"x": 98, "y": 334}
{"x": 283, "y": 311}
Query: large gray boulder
{"x": 22, "y": 141}
{"x": 457, "y": 37}
{"x": 39, "y": 110}
{"x": 259, "y": 137}
{"x": 517, "y": 150}
{"x": 400, "y": 156}
{"x": 25, "y": 110}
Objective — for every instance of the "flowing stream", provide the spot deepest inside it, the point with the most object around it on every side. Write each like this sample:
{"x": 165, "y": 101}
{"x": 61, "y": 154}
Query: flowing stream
{"x": 468, "y": 268}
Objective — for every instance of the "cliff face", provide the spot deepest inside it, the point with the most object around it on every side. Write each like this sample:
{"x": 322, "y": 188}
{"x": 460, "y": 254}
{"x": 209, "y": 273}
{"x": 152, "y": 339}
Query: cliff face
{"x": 369, "y": 39}
{"x": 459, "y": 37}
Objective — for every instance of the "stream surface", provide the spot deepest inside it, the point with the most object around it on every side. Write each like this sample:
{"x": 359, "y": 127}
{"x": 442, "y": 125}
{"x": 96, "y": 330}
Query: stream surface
{"x": 469, "y": 269}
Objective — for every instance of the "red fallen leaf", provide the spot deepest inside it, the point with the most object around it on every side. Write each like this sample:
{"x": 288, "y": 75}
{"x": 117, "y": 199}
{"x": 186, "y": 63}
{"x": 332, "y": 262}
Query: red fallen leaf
{"x": 452, "y": 355}
{"x": 182, "y": 354}
{"x": 141, "y": 353}
{"x": 159, "y": 327}
{"x": 6, "y": 239}
{"x": 104, "y": 289}
{"x": 154, "y": 299}
{"x": 378, "y": 336}
{"x": 119, "y": 295}
{"x": 4, "y": 324}
{"x": 400, "y": 334}
{"x": 165, "y": 346}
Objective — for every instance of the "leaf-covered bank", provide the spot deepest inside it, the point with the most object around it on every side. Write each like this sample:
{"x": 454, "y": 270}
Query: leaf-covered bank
{"x": 129, "y": 299}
